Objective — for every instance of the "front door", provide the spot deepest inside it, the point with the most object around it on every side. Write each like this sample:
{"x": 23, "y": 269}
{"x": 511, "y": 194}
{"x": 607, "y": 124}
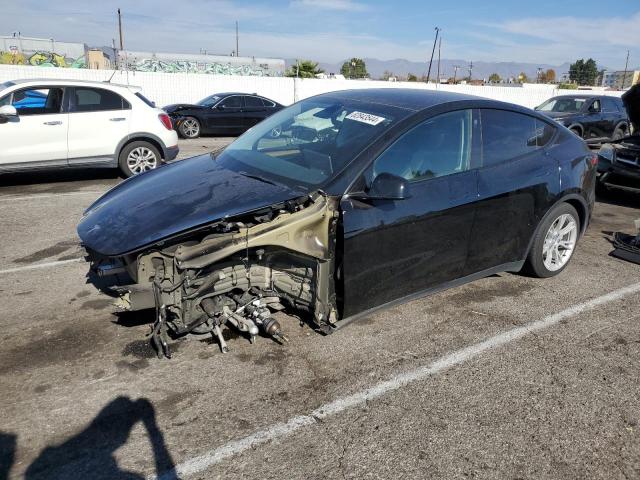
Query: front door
{"x": 396, "y": 248}
{"x": 38, "y": 135}
{"x": 227, "y": 116}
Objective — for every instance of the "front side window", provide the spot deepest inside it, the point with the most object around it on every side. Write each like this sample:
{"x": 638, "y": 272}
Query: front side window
{"x": 96, "y": 100}
{"x": 595, "y": 106}
{"x": 232, "y": 102}
{"x": 310, "y": 142}
{"x": 36, "y": 101}
{"x": 507, "y": 135}
{"x": 437, "y": 147}
{"x": 562, "y": 105}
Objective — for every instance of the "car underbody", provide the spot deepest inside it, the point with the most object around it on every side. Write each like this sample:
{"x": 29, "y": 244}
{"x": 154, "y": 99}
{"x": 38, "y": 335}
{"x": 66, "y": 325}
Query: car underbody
{"x": 233, "y": 273}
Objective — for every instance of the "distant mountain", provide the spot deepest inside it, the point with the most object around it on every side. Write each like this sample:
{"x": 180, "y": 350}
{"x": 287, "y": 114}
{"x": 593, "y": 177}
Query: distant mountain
{"x": 481, "y": 70}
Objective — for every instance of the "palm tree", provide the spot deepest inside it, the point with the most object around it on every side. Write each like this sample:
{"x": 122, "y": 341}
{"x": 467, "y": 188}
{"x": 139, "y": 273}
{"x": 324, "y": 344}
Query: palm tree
{"x": 304, "y": 69}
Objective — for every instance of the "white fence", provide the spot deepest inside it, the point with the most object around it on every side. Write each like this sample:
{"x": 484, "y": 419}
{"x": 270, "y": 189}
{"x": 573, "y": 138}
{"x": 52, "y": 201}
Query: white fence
{"x": 167, "y": 88}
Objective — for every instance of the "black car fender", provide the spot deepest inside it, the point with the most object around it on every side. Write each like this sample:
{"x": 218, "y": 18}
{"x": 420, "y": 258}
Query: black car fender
{"x": 578, "y": 202}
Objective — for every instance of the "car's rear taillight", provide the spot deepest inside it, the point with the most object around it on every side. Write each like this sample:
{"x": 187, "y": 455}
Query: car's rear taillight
{"x": 166, "y": 121}
{"x": 594, "y": 159}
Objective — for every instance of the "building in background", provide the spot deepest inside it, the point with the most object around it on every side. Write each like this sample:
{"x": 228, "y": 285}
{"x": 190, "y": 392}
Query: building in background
{"x": 620, "y": 80}
{"x": 97, "y": 59}
{"x": 41, "y": 52}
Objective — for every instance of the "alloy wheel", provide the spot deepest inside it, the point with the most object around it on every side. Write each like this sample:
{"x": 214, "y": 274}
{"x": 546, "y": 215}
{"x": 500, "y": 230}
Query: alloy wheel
{"x": 141, "y": 159}
{"x": 559, "y": 242}
{"x": 190, "y": 128}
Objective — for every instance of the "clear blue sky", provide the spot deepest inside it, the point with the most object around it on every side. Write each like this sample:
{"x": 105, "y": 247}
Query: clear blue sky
{"x": 538, "y": 31}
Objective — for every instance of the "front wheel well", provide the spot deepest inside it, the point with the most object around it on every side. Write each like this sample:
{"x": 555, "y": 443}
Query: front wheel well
{"x": 152, "y": 141}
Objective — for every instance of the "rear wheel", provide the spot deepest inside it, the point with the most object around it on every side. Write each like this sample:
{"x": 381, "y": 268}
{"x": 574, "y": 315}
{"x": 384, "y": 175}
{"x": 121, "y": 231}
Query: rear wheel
{"x": 554, "y": 242}
{"x": 138, "y": 157}
{"x": 190, "y": 127}
{"x": 577, "y": 131}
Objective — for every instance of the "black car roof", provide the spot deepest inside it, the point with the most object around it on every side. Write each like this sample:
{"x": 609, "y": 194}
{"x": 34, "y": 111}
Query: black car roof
{"x": 407, "y": 98}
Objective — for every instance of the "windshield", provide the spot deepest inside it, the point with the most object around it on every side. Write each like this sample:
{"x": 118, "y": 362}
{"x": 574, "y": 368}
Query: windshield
{"x": 210, "y": 101}
{"x": 563, "y": 105}
{"x": 309, "y": 142}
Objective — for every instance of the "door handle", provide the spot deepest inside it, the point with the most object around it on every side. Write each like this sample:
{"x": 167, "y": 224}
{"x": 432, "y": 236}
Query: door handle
{"x": 58, "y": 122}
{"x": 117, "y": 119}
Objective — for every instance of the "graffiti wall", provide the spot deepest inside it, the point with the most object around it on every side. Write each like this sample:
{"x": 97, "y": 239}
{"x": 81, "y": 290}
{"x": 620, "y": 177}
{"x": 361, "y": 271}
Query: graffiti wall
{"x": 205, "y": 64}
{"x": 39, "y": 52}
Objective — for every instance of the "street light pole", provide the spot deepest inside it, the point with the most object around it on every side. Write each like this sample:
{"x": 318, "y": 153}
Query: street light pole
{"x": 435, "y": 40}
{"x": 626, "y": 66}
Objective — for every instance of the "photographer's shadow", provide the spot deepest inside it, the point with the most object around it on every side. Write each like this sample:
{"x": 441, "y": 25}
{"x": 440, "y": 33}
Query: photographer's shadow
{"x": 90, "y": 454}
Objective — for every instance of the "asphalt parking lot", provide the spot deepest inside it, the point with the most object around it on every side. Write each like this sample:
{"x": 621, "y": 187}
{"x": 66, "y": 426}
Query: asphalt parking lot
{"x": 507, "y": 377}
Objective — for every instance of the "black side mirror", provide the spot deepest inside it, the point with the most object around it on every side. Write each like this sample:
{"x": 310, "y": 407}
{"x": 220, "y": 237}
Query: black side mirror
{"x": 386, "y": 186}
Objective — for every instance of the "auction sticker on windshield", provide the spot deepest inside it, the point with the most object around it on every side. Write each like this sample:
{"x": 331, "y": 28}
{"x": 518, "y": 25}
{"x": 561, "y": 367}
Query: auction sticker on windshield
{"x": 365, "y": 118}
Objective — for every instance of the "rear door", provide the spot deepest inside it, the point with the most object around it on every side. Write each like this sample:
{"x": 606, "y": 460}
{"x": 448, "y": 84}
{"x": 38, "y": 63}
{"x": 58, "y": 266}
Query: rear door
{"x": 611, "y": 116}
{"x": 98, "y": 120}
{"x": 396, "y": 248}
{"x": 38, "y": 136}
{"x": 516, "y": 183}
{"x": 254, "y": 111}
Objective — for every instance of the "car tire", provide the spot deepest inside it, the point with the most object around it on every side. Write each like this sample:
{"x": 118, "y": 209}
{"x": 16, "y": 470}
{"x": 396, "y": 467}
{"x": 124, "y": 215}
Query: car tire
{"x": 138, "y": 157}
{"x": 618, "y": 133}
{"x": 552, "y": 250}
{"x": 189, "y": 128}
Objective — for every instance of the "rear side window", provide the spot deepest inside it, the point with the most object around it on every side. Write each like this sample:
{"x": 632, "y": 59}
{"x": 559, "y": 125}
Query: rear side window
{"x": 35, "y": 101}
{"x": 96, "y": 100}
{"x": 268, "y": 103}
{"x": 145, "y": 100}
{"x": 437, "y": 147}
{"x": 507, "y": 135}
{"x": 253, "y": 102}
{"x": 544, "y": 133}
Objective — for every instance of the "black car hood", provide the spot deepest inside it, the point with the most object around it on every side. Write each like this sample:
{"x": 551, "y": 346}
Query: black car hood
{"x": 177, "y": 107}
{"x": 631, "y": 100}
{"x": 172, "y": 199}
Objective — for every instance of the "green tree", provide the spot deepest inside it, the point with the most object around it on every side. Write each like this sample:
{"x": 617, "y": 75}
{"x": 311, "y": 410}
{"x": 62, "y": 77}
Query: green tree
{"x": 304, "y": 69}
{"x": 583, "y": 72}
{"x": 411, "y": 78}
{"x": 387, "y": 75}
{"x": 522, "y": 78}
{"x": 354, "y": 68}
{"x": 494, "y": 78}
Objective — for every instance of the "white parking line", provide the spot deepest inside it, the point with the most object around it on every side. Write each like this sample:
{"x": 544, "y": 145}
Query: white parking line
{"x": 36, "y": 266}
{"x": 213, "y": 457}
{"x": 39, "y": 196}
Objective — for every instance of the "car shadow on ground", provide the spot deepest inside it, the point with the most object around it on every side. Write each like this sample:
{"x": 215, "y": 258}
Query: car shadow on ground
{"x": 91, "y": 453}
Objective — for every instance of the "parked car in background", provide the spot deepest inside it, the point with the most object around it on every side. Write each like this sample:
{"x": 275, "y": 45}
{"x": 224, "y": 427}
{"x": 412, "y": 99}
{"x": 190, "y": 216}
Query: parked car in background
{"x": 619, "y": 161}
{"x": 72, "y": 123}
{"x": 594, "y": 118}
{"x": 221, "y": 114}
{"x": 340, "y": 204}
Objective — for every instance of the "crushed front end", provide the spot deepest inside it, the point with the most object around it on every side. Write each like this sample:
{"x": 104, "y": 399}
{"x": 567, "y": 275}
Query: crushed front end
{"x": 233, "y": 273}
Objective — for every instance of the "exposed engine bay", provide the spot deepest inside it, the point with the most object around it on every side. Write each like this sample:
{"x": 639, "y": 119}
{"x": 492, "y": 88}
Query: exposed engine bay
{"x": 234, "y": 273}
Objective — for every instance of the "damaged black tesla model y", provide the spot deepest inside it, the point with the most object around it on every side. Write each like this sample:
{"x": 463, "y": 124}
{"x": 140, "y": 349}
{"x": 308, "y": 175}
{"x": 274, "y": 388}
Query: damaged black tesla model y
{"x": 341, "y": 204}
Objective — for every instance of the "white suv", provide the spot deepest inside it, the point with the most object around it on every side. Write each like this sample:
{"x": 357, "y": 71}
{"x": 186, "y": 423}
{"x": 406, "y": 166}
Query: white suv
{"x": 66, "y": 123}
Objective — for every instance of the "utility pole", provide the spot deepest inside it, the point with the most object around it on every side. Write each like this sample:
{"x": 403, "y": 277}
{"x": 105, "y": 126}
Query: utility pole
{"x": 439, "y": 47}
{"x": 455, "y": 73}
{"x": 626, "y": 66}
{"x": 435, "y": 40}
{"x": 470, "y": 71}
{"x": 237, "y": 51}
{"x": 120, "y": 30}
